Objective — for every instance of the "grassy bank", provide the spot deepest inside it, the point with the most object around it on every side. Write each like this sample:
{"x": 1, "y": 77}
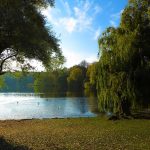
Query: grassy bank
{"x": 83, "y": 133}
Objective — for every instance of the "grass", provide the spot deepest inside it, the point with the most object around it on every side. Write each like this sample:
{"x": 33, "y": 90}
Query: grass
{"x": 75, "y": 134}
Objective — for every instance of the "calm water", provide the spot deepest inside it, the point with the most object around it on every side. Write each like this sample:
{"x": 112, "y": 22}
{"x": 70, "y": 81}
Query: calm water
{"x": 28, "y": 106}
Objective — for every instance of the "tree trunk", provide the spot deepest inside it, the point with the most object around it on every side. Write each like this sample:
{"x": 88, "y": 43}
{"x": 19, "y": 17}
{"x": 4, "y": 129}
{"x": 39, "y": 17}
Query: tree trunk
{"x": 125, "y": 107}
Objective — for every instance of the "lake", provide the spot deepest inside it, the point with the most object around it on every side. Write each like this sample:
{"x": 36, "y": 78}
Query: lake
{"x": 32, "y": 106}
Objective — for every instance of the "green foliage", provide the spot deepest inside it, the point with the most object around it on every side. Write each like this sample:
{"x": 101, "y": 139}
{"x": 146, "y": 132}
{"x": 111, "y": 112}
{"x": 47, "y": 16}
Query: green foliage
{"x": 16, "y": 82}
{"x": 57, "y": 81}
{"x": 60, "y": 81}
{"x": 76, "y": 78}
{"x": 124, "y": 65}
{"x": 44, "y": 83}
{"x": 48, "y": 82}
{"x": 91, "y": 77}
{"x": 24, "y": 34}
{"x": 2, "y": 82}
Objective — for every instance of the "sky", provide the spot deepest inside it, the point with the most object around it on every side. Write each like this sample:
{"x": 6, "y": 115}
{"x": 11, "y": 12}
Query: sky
{"x": 79, "y": 24}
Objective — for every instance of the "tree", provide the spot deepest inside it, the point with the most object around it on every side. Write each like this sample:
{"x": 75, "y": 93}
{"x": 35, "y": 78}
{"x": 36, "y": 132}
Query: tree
{"x": 17, "y": 82}
{"x": 51, "y": 82}
{"x": 2, "y": 82}
{"x": 76, "y": 79}
{"x": 24, "y": 34}
{"x": 61, "y": 82}
{"x": 91, "y": 77}
{"x": 84, "y": 64}
{"x": 124, "y": 65}
{"x": 44, "y": 82}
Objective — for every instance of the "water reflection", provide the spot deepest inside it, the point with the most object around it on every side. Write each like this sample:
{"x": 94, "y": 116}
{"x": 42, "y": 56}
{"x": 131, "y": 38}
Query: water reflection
{"x": 30, "y": 105}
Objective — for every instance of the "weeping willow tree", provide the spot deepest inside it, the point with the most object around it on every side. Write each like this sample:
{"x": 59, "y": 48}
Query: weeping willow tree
{"x": 124, "y": 65}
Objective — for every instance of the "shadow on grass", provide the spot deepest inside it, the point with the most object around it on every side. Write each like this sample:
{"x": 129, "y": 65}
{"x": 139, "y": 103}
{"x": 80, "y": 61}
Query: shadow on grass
{"x": 4, "y": 145}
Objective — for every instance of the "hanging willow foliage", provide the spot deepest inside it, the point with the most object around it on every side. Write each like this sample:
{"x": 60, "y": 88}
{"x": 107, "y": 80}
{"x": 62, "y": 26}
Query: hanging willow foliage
{"x": 124, "y": 65}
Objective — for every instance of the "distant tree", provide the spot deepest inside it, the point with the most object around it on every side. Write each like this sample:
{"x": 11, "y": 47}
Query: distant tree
{"x": 48, "y": 82}
{"x": 2, "y": 82}
{"x": 76, "y": 79}
{"x": 124, "y": 65}
{"x": 91, "y": 77}
{"x": 61, "y": 83}
{"x": 24, "y": 34}
{"x": 16, "y": 82}
{"x": 84, "y": 64}
{"x": 44, "y": 82}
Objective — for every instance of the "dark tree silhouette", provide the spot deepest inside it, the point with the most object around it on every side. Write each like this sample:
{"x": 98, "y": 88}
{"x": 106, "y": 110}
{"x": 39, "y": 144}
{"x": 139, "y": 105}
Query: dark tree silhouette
{"x": 24, "y": 34}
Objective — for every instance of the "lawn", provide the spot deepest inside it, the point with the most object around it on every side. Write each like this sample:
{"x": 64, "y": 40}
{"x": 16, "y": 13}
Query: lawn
{"x": 75, "y": 134}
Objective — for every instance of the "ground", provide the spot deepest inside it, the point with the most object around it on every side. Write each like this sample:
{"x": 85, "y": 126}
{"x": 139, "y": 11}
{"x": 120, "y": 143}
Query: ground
{"x": 75, "y": 134}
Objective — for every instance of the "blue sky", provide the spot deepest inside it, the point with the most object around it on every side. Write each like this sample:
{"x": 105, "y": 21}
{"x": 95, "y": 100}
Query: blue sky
{"x": 79, "y": 23}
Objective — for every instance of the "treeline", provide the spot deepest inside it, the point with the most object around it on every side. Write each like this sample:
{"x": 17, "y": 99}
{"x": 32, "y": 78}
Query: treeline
{"x": 77, "y": 79}
{"x": 17, "y": 82}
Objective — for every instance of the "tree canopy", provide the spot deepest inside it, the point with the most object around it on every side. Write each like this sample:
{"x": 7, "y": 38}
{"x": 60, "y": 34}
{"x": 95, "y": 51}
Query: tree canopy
{"x": 91, "y": 77}
{"x": 124, "y": 65}
{"x": 51, "y": 82}
{"x": 24, "y": 34}
{"x": 76, "y": 78}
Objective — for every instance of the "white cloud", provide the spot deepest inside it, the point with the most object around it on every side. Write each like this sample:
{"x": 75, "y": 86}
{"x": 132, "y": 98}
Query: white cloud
{"x": 49, "y": 13}
{"x": 69, "y": 23}
{"x": 84, "y": 21}
{"x": 80, "y": 21}
{"x": 86, "y": 5}
{"x": 79, "y": 18}
{"x": 98, "y": 9}
{"x": 97, "y": 33}
{"x": 66, "y": 7}
{"x": 74, "y": 58}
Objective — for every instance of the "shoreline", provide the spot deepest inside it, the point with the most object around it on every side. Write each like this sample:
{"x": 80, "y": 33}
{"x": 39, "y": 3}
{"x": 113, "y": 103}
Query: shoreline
{"x": 135, "y": 115}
